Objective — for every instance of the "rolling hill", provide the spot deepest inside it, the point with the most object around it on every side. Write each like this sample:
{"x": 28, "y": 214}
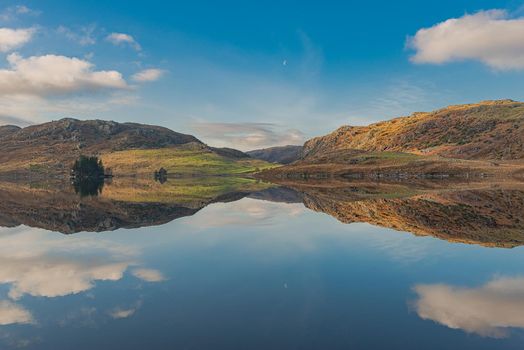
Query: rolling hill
{"x": 482, "y": 138}
{"x": 485, "y": 130}
{"x": 50, "y": 148}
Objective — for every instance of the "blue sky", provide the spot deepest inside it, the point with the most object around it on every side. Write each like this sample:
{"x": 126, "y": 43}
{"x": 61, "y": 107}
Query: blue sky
{"x": 254, "y": 74}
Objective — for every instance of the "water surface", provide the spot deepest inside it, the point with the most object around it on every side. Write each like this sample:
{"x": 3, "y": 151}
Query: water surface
{"x": 240, "y": 264}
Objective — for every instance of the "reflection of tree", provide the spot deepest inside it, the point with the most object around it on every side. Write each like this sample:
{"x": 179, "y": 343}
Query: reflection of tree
{"x": 88, "y": 186}
{"x": 161, "y": 175}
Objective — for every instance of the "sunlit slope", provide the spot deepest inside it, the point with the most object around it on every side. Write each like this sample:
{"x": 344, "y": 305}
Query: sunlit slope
{"x": 179, "y": 162}
{"x": 485, "y": 130}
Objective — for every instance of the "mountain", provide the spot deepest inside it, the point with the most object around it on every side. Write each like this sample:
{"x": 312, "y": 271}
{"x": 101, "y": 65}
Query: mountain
{"x": 282, "y": 154}
{"x": 50, "y": 148}
{"x": 485, "y": 130}
{"x": 479, "y": 139}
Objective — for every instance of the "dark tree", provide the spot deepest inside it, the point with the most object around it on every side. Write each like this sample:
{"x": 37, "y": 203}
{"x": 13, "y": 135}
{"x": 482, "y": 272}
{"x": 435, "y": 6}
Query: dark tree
{"x": 88, "y": 167}
{"x": 88, "y": 176}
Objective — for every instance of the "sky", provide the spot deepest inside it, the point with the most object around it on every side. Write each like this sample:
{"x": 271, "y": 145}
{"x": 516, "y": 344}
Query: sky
{"x": 254, "y": 74}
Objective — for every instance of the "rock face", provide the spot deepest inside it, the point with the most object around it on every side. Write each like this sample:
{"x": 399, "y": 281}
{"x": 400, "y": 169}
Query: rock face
{"x": 282, "y": 155}
{"x": 486, "y": 130}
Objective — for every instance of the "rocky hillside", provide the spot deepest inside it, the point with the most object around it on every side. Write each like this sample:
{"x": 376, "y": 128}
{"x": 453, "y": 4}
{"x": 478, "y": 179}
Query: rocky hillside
{"x": 282, "y": 155}
{"x": 486, "y": 130}
{"x": 52, "y": 147}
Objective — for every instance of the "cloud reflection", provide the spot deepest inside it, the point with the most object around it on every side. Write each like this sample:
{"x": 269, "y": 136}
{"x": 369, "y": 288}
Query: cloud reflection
{"x": 148, "y": 275}
{"x": 11, "y": 313}
{"x": 489, "y": 310}
{"x": 44, "y": 264}
{"x": 247, "y": 212}
{"x": 120, "y": 312}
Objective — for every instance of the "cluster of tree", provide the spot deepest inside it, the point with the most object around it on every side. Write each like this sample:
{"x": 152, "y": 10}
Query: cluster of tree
{"x": 88, "y": 167}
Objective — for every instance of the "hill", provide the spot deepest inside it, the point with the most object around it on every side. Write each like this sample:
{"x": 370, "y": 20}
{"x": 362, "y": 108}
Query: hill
{"x": 50, "y": 148}
{"x": 485, "y": 130}
{"x": 483, "y": 138}
{"x": 282, "y": 154}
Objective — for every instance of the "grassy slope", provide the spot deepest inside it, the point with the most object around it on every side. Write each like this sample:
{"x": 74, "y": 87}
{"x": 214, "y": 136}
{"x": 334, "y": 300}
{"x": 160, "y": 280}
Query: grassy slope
{"x": 179, "y": 161}
{"x": 486, "y": 130}
{"x": 372, "y": 164}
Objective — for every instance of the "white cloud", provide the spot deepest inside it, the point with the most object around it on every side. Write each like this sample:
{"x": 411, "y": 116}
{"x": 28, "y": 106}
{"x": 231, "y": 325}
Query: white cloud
{"x": 11, "y": 313}
{"x": 489, "y": 310}
{"x": 11, "y": 39}
{"x": 123, "y": 39}
{"x": 148, "y": 275}
{"x": 84, "y": 36}
{"x": 148, "y": 75}
{"x": 52, "y": 74}
{"x": 247, "y": 136}
{"x": 13, "y": 12}
{"x": 22, "y": 110}
{"x": 491, "y": 37}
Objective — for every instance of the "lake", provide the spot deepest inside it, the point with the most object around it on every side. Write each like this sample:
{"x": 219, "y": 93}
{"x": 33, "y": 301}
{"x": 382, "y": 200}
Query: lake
{"x": 224, "y": 263}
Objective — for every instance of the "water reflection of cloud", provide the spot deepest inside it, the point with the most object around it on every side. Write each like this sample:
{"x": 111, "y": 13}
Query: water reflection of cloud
{"x": 246, "y": 211}
{"x": 148, "y": 275}
{"x": 53, "y": 277}
{"x": 44, "y": 264}
{"x": 120, "y": 312}
{"x": 489, "y": 310}
{"x": 11, "y": 313}
{"x": 37, "y": 263}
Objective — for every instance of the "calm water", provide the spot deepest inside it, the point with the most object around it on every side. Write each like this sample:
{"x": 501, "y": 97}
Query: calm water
{"x": 257, "y": 268}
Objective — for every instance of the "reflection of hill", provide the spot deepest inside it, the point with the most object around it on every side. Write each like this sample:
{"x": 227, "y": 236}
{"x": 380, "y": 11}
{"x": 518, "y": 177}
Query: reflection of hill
{"x": 485, "y": 214}
{"x": 489, "y": 216}
{"x": 127, "y": 204}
